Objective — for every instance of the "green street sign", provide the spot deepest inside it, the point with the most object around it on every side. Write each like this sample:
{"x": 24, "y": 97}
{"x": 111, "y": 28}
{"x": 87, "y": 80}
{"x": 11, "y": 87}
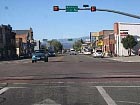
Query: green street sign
{"x": 70, "y": 39}
{"x": 71, "y": 8}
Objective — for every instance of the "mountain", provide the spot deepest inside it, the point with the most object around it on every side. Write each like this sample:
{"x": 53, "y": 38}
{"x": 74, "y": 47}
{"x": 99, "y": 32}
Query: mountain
{"x": 67, "y": 44}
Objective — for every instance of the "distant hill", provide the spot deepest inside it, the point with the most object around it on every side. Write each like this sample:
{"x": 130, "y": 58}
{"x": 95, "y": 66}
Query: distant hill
{"x": 69, "y": 44}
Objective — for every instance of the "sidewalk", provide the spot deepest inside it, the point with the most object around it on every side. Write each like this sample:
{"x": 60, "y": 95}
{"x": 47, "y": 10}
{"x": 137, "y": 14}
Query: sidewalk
{"x": 126, "y": 59}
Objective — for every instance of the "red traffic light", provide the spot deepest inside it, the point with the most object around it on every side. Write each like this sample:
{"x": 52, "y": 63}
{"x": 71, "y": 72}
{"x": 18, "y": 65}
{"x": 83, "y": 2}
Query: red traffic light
{"x": 93, "y": 8}
{"x": 55, "y": 8}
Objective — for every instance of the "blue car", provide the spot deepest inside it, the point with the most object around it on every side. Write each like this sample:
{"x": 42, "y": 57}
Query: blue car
{"x": 39, "y": 55}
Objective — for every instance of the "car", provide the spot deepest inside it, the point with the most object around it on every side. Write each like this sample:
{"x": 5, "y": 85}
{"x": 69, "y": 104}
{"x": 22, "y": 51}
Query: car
{"x": 98, "y": 53}
{"x": 39, "y": 55}
{"x": 139, "y": 52}
{"x": 51, "y": 54}
{"x": 73, "y": 52}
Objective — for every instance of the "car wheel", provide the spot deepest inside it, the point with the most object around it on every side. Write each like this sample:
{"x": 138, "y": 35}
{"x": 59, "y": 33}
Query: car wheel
{"x": 32, "y": 61}
{"x": 46, "y": 60}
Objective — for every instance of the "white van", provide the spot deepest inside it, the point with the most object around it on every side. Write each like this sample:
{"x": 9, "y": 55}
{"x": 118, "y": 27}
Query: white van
{"x": 73, "y": 52}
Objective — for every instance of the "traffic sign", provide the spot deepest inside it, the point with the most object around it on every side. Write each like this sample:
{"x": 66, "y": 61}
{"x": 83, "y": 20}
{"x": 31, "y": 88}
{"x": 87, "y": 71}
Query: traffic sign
{"x": 70, "y": 39}
{"x": 71, "y": 8}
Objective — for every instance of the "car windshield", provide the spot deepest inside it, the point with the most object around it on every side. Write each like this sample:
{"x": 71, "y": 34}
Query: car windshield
{"x": 69, "y": 52}
{"x": 99, "y": 51}
{"x": 39, "y": 51}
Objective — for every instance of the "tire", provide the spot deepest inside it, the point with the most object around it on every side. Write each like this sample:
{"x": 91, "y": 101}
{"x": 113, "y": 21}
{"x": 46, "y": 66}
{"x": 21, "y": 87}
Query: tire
{"x": 32, "y": 61}
{"x": 46, "y": 60}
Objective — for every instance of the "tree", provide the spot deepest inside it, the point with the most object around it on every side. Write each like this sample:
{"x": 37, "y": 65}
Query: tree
{"x": 128, "y": 43}
{"x": 82, "y": 41}
{"x": 77, "y": 45}
{"x": 56, "y": 44}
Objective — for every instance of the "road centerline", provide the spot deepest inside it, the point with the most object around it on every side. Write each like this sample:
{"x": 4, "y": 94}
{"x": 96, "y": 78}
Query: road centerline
{"x": 106, "y": 96}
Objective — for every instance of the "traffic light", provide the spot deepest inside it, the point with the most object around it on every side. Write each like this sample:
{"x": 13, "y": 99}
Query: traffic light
{"x": 93, "y": 8}
{"x": 55, "y": 8}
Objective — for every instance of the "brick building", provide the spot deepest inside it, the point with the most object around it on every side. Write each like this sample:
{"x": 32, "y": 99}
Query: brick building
{"x": 109, "y": 44}
{"x": 26, "y": 36}
{"x": 7, "y": 42}
{"x": 19, "y": 48}
{"x": 104, "y": 37}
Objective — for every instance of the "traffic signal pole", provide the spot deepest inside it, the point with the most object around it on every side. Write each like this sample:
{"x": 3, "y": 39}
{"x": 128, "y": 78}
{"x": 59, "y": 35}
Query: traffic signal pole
{"x": 108, "y": 10}
{"x": 119, "y": 12}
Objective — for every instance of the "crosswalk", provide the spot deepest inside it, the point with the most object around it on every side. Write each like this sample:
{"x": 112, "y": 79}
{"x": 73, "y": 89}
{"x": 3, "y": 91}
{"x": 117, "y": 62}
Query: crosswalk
{"x": 56, "y": 93}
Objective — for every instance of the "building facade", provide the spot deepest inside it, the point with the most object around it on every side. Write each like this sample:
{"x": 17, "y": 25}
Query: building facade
{"x": 104, "y": 39}
{"x": 37, "y": 45}
{"x": 27, "y": 41}
{"x": 94, "y": 39}
{"x": 19, "y": 48}
{"x": 109, "y": 44}
{"x": 121, "y": 30}
{"x": 7, "y": 42}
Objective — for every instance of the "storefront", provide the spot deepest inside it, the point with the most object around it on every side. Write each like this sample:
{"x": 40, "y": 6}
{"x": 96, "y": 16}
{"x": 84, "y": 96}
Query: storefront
{"x": 121, "y": 30}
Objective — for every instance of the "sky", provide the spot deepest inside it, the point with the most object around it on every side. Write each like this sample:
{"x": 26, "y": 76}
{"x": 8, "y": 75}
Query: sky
{"x": 48, "y": 24}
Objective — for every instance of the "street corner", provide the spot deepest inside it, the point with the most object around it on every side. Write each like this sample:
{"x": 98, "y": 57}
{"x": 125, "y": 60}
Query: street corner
{"x": 125, "y": 58}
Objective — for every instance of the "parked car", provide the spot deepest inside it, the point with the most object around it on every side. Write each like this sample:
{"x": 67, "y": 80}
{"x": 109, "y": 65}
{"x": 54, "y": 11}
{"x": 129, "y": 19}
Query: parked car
{"x": 39, "y": 55}
{"x": 98, "y": 53}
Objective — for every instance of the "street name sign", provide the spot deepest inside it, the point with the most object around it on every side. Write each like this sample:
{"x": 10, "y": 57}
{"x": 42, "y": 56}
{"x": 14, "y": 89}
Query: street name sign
{"x": 71, "y": 8}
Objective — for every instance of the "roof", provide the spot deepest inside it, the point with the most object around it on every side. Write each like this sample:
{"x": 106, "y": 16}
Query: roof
{"x": 21, "y": 32}
{"x": 128, "y": 23}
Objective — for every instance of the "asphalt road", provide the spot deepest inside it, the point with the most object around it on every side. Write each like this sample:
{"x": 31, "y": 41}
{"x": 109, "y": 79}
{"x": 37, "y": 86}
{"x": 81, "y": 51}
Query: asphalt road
{"x": 69, "y": 80}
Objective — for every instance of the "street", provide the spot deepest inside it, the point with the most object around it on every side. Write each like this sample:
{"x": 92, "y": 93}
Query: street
{"x": 70, "y": 80}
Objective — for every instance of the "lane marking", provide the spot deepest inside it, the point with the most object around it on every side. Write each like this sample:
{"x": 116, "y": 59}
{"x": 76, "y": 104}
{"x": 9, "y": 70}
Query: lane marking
{"x": 47, "y": 102}
{"x": 98, "y": 59}
{"x": 48, "y": 86}
{"x": 10, "y": 88}
{"x": 106, "y": 97}
{"x": 17, "y": 87}
{"x": 3, "y": 90}
{"x": 20, "y": 83}
{"x": 128, "y": 102}
{"x": 122, "y": 86}
{"x": 122, "y": 75}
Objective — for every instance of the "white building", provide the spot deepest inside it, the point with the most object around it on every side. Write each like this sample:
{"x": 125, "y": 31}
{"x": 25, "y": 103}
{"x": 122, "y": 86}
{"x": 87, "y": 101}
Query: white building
{"x": 121, "y": 30}
{"x": 37, "y": 45}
